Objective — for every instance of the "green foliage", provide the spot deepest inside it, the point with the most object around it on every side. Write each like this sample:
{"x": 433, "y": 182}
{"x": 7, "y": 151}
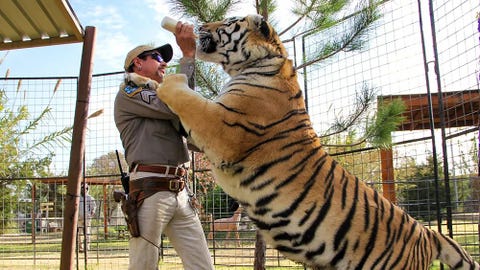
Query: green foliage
{"x": 346, "y": 34}
{"x": 23, "y": 154}
{"x": 385, "y": 121}
{"x": 345, "y": 122}
{"x": 107, "y": 165}
{"x": 219, "y": 201}
{"x": 266, "y": 7}
{"x": 17, "y": 162}
{"x": 469, "y": 161}
{"x": 368, "y": 169}
{"x": 376, "y": 127}
{"x": 209, "y": 79}
{"x": 419, "y": 189}
{"x": 203, "y": 10}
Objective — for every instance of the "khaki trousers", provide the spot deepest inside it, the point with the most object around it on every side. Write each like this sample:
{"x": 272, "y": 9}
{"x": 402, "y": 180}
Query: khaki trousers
{"x": 171, "y": 214}
{"x": 84, "y": 227}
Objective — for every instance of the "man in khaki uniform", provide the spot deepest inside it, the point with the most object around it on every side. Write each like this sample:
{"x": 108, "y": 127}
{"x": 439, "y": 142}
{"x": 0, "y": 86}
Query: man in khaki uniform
{"x": 86, "y": 212}
{"x": 155, "y": 151}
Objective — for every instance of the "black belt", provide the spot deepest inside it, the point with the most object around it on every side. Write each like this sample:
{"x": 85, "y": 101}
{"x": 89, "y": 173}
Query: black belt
{"x": 171, "y": 170}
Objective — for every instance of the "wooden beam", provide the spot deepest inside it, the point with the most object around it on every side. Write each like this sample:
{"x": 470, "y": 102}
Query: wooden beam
{"x": 388, "y": 176}
{"x": 91, "y": 180}
{"x": 38, "y": 43}
{"x": 461, "y": 108}
{"x": 77, "y": 151}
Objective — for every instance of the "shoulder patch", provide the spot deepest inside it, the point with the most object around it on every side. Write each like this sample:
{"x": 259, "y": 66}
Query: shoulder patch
{"x": 131, "y": 90}
{"x": 147, "y": 96}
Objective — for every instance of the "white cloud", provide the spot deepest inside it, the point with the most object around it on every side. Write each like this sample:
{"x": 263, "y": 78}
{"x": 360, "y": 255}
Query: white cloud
{"x": 108, "y": 17}
{"x": 160, "y": 8}
{"x": 112, "y": 39}
{"x": 110, "y": 52}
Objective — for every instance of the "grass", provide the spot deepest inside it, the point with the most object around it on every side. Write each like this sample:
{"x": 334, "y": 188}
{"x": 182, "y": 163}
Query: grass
{"x": 18, "y": 252}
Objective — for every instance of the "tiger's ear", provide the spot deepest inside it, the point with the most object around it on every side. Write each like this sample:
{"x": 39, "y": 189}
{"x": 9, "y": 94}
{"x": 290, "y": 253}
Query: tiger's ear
{"x": 262, "y": 26}
{"x": 265, "y": 29}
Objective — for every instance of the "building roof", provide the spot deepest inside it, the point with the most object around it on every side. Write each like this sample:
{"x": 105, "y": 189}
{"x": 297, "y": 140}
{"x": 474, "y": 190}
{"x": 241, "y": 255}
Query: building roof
{"x": 34, "y": 23}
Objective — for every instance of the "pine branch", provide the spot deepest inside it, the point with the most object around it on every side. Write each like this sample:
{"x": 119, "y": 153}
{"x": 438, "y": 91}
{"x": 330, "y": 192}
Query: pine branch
{"x": 353, "y": 40}
{"x": 265, "y": 7}
{"x": 209, "y": 79}
{"x": 202, "y": 10}
{"x": 302, "y": 11}
{"x": 349, "y": 145}
{"x": 299, "y": 19}
{"x": 378, "y": 129}
{"x": 387, "y": 119}
{"x": 364, "y": 100}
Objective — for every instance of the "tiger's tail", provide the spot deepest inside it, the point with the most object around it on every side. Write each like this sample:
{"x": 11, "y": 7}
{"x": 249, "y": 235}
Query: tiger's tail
{"x": 452, "y": 254}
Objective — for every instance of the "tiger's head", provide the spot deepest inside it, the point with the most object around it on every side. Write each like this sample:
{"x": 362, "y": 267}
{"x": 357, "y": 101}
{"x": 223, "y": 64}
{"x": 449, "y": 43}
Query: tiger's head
{"x": 239, "y": 42}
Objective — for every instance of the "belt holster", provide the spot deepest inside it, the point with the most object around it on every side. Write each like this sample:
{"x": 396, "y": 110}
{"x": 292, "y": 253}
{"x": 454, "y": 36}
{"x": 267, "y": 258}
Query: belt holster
{"x": 130, "y": 208}
{"x": 132, "y": 205}
{"x": 141, "y": 189}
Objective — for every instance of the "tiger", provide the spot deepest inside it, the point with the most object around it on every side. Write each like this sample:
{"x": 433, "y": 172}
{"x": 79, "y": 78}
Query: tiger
{"x": 264, "y": 152}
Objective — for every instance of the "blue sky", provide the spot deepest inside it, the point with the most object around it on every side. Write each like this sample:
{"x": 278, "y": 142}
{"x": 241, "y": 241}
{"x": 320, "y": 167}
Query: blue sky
{"x": 120, "y": 26}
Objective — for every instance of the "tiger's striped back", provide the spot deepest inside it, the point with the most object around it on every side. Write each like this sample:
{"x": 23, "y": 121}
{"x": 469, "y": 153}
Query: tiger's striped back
{"x": 264, "y": 152}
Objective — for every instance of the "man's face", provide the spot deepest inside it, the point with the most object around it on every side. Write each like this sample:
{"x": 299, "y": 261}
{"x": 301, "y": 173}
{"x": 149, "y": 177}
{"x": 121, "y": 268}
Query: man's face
{"x": 152, "y": 66}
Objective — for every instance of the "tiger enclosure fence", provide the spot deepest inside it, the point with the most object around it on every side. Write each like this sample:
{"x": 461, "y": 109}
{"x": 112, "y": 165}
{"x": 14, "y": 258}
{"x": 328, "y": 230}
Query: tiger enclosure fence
{"x": 427, "y": 58}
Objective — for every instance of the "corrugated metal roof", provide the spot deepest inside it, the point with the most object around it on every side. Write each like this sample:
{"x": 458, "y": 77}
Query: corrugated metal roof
{"x": 34, "y": 23}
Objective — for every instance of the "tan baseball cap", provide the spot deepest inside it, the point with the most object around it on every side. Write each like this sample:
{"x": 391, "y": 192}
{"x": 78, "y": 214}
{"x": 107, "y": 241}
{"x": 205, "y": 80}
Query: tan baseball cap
{"x": 165, "y": 51}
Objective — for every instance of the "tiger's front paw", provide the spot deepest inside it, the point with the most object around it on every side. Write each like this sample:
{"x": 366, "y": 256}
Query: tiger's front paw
{"x": 173, "y": 83}
{"x": 140, "y": 80}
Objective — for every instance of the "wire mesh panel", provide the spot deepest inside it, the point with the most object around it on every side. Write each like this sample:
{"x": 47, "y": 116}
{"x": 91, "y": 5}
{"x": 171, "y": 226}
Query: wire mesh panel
{"x": 434, "y": 158}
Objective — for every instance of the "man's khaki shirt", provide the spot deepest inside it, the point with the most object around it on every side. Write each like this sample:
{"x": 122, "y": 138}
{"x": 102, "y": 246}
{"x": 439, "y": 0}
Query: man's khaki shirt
{"x": 149, "y": 130}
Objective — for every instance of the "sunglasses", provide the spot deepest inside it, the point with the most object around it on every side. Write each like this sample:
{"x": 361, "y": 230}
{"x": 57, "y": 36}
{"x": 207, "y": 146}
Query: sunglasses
{"x": 155, "y": 56}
